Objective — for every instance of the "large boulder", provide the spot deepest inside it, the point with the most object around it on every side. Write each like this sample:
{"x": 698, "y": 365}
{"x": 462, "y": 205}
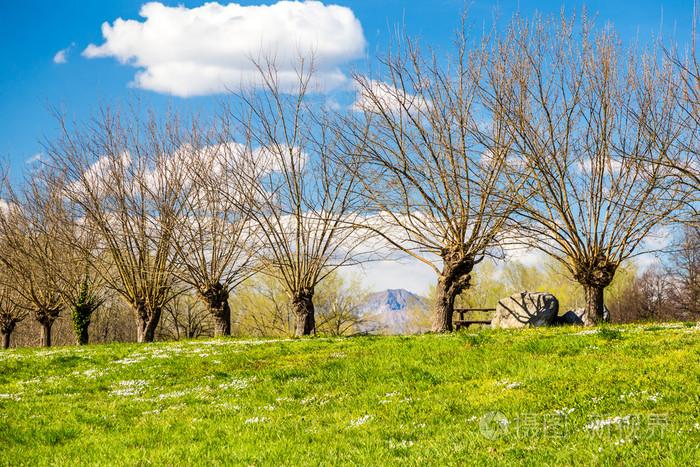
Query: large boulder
{"x": 578, "y": 316}
{"x": 525, "y": 309}
{"x": 571, "y": 317}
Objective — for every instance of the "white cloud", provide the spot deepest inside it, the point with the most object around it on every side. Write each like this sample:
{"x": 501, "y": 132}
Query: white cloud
{"x": 653, "y": 247}
{"x": 209, "y": 49}
{"x": 61, "y": 56}
{"x": 6, "y": 207}
{"x": 99, "y": 176}
{"x": 373, "y": 96}
{"x": 35, "y": 158}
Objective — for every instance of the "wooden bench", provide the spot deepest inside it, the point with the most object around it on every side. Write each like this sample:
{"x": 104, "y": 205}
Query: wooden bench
{"x": 465, "y": 323}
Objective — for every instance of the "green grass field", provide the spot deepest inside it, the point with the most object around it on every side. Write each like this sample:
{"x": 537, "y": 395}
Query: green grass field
{"x": 627, "y": 394}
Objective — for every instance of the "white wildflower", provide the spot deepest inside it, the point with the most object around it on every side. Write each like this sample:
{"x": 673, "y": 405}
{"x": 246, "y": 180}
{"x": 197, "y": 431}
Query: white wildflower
{"x": 404, "y": 443}
{"x": 598, "y": 424}
{"x": 509, "y": 385}
{"x": 14, "y": 397}
{"x": 172, "y": 395}
{"x": 360, "y": 421}
{"x": 256, "y": 420}
{"x": 236, "y": 383}
{"x": 564, "y": 412}
{"x": 129, "y": 361}
{"x": 130, "y": 388}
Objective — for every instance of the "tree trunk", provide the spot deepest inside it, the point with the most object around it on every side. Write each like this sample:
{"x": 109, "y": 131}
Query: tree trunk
{"x": 46, "y": 333}
{"x": 594, "y": 274}
{"x": 222, "y": 320}
{"x": 216, "y": 297}
{"x": 453, "y": 280}
{"x": 81, "y": 322}
{"x": 83, "y": 336}
{"x": 595, "y": 305}
{"x": 6, "y": 339}
{"x": 303, "y": 307}
{"x": 6, "y": 331}
{"x": 444, "y": 307}
{"x": 146, "y": 324}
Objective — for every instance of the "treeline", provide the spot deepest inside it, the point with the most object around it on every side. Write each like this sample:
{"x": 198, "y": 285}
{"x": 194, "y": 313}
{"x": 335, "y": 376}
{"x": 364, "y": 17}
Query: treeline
{"x": 546, "y": 133}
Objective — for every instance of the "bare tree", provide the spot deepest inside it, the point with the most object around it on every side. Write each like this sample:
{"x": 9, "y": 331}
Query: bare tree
{"x": 582, "y": 116}
{"x": 686, "y": 163}
{"x": 433, "y": 163}
{"x": 301, "y": 199}
{"x": 214, "y": 234}
{"x": 263, "y": 308}
{"x": 685, "y": 273}
{"x": 30, "y": 253}
{"x": 11, "y": 313}
{"x": 129, "y": 194}
{"x": 78, "y": 282}
{"x": 185, "y": 318}
{"x": 113, "y": 321}
{"x": 340, "y": 310}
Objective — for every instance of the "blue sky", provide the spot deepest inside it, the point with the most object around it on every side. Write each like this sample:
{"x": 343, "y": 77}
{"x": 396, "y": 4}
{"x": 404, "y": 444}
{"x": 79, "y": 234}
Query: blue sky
{"x": 33, "y": 32}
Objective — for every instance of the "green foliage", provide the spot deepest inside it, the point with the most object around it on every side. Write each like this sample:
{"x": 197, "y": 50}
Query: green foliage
{"x": 364, "y": 400}
{"x": 82, "y": 311}
{"x": 609, "y": 333}
{"x": 262, "y": 306}
{"x": 474, "y": 340}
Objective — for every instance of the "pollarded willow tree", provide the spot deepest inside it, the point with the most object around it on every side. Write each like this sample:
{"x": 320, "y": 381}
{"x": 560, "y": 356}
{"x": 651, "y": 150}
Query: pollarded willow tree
{"x": 580, "y": 113}
{"x": 71, "y": 245}
{"x": 686, "y": 163}
{"x": 11, "y": 312}
{"x": 433, "y": 163}
{"x": 30, "y": 255}
{"x": 214, "y": 235}
{"x": 129, "y": 195}
{"x": 302, "y": 201}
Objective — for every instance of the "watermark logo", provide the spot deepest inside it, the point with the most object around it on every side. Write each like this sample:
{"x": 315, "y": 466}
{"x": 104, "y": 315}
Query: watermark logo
{"x": 493, "y": 425}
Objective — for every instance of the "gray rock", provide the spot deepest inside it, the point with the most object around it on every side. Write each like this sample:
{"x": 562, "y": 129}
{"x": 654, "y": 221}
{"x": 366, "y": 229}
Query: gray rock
{"x": 579, "y": 317}
{"x": 526, "y": 309}
{"x": 570, "y": 317}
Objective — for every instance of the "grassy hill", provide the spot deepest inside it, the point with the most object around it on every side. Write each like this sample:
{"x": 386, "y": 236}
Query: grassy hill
{"x": 559, "y": 396}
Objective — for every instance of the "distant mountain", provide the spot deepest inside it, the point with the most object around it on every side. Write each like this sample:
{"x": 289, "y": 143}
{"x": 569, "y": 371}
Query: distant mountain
{"x": 389, "y": 309}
